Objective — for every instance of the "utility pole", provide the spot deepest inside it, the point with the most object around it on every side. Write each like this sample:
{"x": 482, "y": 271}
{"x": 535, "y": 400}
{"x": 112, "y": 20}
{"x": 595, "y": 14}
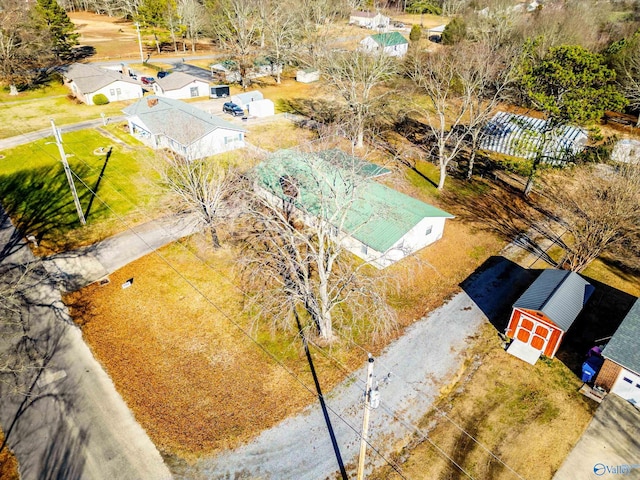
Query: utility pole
{"x": 365, "y": 419}
{"x": 67, "y": 171}
{"x": 140, "y": 42}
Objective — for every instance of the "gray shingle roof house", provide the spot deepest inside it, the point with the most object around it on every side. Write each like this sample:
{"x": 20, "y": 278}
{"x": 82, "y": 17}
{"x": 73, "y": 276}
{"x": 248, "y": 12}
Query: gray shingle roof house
{"x": 545, "y": 311}
{"x": 181, "y": 85}
{"x": 620, "y": 372}
{"x": 380, "y": 225}
{"x": 521, "y": 136}
{"x": 85, "y": 81}
{"x": 167, "y": 123}
{"x": 369, "y": 19}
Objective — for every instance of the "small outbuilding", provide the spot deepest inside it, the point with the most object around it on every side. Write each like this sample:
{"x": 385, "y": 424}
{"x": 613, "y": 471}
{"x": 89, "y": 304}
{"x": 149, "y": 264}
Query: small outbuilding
{"x": 308, "y": 75}
{"x": 262, "y": 108}
{"x": 390, "y": 43}
{"x": 620, "y": 373}
{"x": 545, "y": 311}
{"x": 244, "y": 99}
{"x": 626, "y": 151}
{"x": 181, "y": 85}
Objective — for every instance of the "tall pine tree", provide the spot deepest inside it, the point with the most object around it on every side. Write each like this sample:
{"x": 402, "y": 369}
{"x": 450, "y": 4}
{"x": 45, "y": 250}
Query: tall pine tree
{"x": 60, "y": 27}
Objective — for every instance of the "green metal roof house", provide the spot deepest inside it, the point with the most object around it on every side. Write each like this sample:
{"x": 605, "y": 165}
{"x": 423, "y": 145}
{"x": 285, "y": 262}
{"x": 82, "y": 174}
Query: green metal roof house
{"x": 161, "y": 122}
{"x": 620, "y": 373}
{"x": 390, "y": 43}
{"x": 374, "y": 222}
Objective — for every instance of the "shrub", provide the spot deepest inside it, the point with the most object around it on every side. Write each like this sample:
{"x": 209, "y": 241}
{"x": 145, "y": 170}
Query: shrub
{"x": 100, "y": 99}
{"x": 454, "y": 32}
{"x": 416, "y": 33}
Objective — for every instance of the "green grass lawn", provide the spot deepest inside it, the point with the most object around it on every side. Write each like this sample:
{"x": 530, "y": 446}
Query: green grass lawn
{"x": 36, "y": 193}
{"x": 34, "y": 110}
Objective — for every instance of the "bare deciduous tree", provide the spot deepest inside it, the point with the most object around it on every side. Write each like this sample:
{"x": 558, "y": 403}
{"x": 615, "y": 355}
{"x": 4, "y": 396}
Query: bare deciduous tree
{"x": 453, "y": 85}
{"x": 281, "y": 33}
{"x": 357, "y": 77}
{"x": 192, "y": 16}
{"x": 598, "y": 207}
{"x": 293, "y": 256}
{"x": 237, "y": 27}
{"x": 200, "y": 187}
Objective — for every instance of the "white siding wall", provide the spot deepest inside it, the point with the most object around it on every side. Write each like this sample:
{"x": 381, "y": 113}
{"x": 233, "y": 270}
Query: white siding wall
{"x": 218, "y": 141}
{"x": 184, "y": 92}
{"x": 397, "y": 50}
{"x": 117, "y": 91}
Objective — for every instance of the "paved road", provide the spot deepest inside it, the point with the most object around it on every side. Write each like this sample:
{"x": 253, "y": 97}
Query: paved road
{"x": 78, "y": 268}
{"x": 73, "y": 424}
{"x": 411, "y": 372}
{"x": 23, "y": 139}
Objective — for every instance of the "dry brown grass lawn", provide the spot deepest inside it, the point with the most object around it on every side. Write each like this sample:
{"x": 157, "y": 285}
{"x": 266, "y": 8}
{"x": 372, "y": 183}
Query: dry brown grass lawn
{"x": 528, "y": 416}
{"x": 8, "y": 463}
{"x": 194, "y": 381}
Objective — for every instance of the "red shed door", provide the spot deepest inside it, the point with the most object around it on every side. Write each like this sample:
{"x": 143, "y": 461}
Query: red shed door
{"x": 533, "y": 333}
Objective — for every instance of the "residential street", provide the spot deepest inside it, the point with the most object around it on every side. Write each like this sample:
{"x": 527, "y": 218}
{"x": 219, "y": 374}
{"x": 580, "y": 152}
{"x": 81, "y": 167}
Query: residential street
{"x": 64, "y": 420}
{"x": 411, "y": 373}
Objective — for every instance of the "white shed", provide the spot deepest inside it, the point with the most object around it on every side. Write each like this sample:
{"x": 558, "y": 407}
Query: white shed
{"x": 308, "y": 75}
{"x": 391, "y": 43}
{"x": 244, "y": 99}
{"x": 626, "y": 151}
{"x": 262, "y": 108}
{"x": 181, "y": 85}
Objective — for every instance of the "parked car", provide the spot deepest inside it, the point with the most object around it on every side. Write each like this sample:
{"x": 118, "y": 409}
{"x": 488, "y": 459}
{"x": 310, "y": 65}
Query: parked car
{"x": 233, "y": 109}
{"x": 163, "y": 74}
{"x": 398, "y": 24}
{"x": 147, "y": 80}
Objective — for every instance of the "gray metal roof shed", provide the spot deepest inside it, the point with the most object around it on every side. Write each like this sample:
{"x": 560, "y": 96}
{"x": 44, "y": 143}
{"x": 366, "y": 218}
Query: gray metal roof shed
{"x": 521, "y": 136}
{"x": 624, "y": 346}
{"x": 558, "y": 294}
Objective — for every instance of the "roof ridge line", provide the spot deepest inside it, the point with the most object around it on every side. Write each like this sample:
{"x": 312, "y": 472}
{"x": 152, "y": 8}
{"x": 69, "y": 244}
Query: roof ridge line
{"x": 556, "y": 288}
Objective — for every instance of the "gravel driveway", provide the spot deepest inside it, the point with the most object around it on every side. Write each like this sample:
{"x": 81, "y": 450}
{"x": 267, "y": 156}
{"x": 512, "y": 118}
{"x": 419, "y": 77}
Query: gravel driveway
{"x": 411, "y": 372}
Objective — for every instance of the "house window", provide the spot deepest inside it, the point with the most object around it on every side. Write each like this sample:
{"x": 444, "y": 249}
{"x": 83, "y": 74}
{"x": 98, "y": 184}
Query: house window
{"x": 364, "y": 249}
{"x": 429, "y": 229}
{"x": 628, "y": 380}
{"x": 194, "y": 91}
{"x": 118, "y": 91}
{"x": 112, "y": 92}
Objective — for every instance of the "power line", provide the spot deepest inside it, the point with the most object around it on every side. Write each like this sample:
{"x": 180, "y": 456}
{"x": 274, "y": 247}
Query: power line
{"x": 204, "y": 262}
{"x": 228, "y": 317}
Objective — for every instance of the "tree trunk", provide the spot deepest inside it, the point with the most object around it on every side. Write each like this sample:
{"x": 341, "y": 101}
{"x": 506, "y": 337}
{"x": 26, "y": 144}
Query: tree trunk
{"x": 215, "y": 241}
{"x": 360, "y": 137}
{"x": 13, "y": 90}
{"x": 529, "y": 186}
{"x": 443, "y": 175}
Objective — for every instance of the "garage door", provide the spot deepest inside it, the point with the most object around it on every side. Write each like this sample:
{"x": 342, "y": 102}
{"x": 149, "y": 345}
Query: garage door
{"x": 628, "y": 386}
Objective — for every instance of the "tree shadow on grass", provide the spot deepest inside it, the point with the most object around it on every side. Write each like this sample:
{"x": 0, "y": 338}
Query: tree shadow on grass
{"x": 40, "y": 203}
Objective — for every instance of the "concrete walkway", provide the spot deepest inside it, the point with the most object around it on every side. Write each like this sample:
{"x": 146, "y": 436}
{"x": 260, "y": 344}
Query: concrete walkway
{"x": 64, "y": 419}
{"x": 78, "y": 268}
{"x": 609, "y": 447}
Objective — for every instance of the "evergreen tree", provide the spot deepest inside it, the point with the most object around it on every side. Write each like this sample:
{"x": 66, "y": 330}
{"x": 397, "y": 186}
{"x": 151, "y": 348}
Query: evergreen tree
{"x": 415, "y": 34}
{"x": 60, "y": 27}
